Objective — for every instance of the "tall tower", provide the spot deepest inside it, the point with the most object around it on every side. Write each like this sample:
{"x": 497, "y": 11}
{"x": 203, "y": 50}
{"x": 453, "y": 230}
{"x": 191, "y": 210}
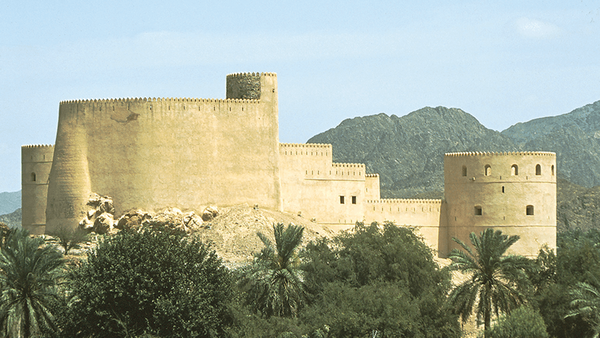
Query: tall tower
{"x": 36, "y": 161}
{"x": 513, "y": 192}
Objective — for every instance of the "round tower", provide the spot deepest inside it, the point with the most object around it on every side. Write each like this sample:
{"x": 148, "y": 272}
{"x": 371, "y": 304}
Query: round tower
{"x": 252, "y": 86}
{"x": 513, "y": 192}
{"x": 36, "y": 162}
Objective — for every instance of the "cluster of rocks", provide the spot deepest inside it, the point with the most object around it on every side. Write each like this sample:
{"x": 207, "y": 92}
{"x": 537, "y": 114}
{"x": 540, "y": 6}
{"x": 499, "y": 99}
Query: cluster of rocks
{"x": 100, "y": 218}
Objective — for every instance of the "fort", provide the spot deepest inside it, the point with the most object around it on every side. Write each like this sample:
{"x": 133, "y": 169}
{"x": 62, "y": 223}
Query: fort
{"x": 152, "y": 153}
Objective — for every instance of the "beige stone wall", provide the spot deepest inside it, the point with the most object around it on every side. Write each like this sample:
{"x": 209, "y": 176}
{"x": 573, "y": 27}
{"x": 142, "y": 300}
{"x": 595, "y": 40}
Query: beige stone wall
{"x": 424, "y": 215}
{"x": 36, "y": 161}
{"x": 494, "y": 190}
{"x": 156, "y": 153}
{"x": 314, "y": 186}
{"x": 372, "y": 187}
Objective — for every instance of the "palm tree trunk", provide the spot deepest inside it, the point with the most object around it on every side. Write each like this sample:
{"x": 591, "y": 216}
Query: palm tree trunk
{"x": 487, "y": 314}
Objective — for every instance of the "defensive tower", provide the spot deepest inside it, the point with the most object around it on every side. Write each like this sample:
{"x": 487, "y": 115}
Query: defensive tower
{"x": 514, "y": 192}
{"x": 36, "y": 161}
{"x": 153, "y": 153}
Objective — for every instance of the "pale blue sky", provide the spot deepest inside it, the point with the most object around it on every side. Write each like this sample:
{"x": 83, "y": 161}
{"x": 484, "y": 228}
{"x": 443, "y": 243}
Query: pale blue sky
{"x": 503, "y": 62}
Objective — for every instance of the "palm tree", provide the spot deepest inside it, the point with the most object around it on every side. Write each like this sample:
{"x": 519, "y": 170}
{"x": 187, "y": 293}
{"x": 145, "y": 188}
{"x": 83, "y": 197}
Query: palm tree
{"x": 273, "y": 283}
{"x": 496, "y": 281}
{"x": 28, "y": 273}
{"x": 586, "y": 303}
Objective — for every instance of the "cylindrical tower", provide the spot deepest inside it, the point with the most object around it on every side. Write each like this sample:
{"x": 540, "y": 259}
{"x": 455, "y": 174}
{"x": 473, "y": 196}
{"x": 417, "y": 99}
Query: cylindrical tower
{"x": 36, "y": 161}
{"x": 514, "y": 192}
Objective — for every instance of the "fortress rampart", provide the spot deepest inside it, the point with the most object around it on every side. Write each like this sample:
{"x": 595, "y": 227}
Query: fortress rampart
{"x": 153, "y": 153}
{"x": 156, "y": 153}
{"x": 35, "y": 171}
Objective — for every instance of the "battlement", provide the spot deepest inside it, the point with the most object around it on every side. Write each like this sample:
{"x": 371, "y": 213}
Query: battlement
{"x": 154, "y": 99}
{"x": 38, "y": 146}
{"x": 404, "y": 200}
{"x": 348, "y": 165}
{"x": 371, "y": 175}
{"x": 305, "y": 145}
{"x": 251, "y": 74}
{"x": 510, "y": 153}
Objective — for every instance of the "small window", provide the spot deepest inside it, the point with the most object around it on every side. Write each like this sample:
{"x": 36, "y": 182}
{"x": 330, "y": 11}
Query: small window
{"x": 503, "y": 189}
{"x": 464, "y": 170}
{"x": 552, "y": 170}
{"x": 342, "y": 200}
{"x": 529, "y": 210}
{"x": 514, "y": 170}
{"x": 488, "y": 170}
{"x": 33, "y": 177}
{"x": 478, "y": 211}
{"x": 538, "y": 169}
{"x": 353, "y": 199}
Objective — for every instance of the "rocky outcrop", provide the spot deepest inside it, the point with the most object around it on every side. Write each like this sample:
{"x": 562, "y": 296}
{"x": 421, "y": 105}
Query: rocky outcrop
{"x": 100, "y": 215}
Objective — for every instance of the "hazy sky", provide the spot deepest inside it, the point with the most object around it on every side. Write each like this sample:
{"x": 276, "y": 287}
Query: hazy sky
{"x": 503, "y": 62}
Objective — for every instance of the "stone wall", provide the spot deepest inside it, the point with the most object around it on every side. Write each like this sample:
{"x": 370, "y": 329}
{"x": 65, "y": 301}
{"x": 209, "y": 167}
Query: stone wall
{"x": 36, "y": 161}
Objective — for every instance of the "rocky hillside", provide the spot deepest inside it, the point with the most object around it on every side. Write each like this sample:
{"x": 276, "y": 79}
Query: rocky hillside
{"x": 577, "y": 207}
{"x": 13, "y": 219}
{"x": 408, "y": 152}
{"x": 574, "y": 137}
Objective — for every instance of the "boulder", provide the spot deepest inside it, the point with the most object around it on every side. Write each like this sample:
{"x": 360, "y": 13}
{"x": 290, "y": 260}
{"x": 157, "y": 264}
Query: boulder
{"x": 210, "y": 213}
{"x": 103, "y": 223}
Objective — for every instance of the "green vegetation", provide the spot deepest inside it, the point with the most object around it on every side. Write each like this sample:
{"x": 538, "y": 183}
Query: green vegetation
{"x": 29, "y": 272}
{"x": 523, "y": 322}
{"x": 70, "y": 238}
{"x": 497, "y": 282}
{"x": 374, "y": 281}
{"x": 273, "y": 282}
{"x": 148, "y": 282}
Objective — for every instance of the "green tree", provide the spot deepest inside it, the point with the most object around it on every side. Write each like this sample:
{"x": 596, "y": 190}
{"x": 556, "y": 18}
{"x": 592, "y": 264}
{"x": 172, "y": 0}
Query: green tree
{"x": 149, "y": 282}
{"x": 586, "y": 303}
{"x": 273, "y": 282}
{"x": 377, "y": 278}
{"x": 29, "y": 271}
{"x": 69, "y": 238}
{"x": 496, "y": 282}
{"x": 523, "y": 322}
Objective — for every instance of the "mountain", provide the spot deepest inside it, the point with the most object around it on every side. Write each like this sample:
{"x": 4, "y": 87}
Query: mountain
{"x": 574, "y": 137}
{"x": 9, "y": 202}
{"x": 408, "y": 152}
{"x": 577, "y": 206}
{"x": 13, "y": 219}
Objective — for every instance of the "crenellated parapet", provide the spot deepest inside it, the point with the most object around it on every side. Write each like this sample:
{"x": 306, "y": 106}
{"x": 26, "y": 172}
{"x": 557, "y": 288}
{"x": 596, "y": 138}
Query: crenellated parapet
{"x": 404, "y": 201}
{"x": 506, "y": 153}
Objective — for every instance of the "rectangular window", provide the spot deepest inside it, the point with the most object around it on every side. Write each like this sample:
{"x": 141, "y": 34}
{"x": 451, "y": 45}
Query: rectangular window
{"x": 478, "y": 211}
{"x": 342, "y": 200}
{"x": 353, "y": 199}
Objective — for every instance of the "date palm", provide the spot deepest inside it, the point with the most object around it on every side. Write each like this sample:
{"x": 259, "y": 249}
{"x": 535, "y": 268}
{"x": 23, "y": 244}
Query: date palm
{"x": 496, "y": 281}
{"x": 28, "y": 273}
{"x": 273, "y": 283}
{"x": 586, "y": 303}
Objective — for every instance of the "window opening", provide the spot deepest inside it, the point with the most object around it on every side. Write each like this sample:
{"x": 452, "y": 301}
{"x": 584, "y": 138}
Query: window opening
{"x": 529, "y": 210}
{"x": 514, "y": 170}
{"x": 464, "y": 170}
{"x": 552, "y": 170}
{"x": 342, "y": 200}
{"x": 353, "y": 199}
{"x": 478, "y": 211}
{"x": 488, "y": 170}
{"x": 33, "y": 177}
{"x": 538, "y": 169}
{"x": 503, "y": 189}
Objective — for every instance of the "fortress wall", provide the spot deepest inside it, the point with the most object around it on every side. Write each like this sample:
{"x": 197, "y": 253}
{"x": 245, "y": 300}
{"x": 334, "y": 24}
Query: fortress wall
{"x": 36, "y": 162}
{"x": 372, "y": 187}
{"x": 311, "y": 186}
{"x": 424, "y": 215}
{"x": 186, "y": 153}
{"x": 502, "y": 191}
